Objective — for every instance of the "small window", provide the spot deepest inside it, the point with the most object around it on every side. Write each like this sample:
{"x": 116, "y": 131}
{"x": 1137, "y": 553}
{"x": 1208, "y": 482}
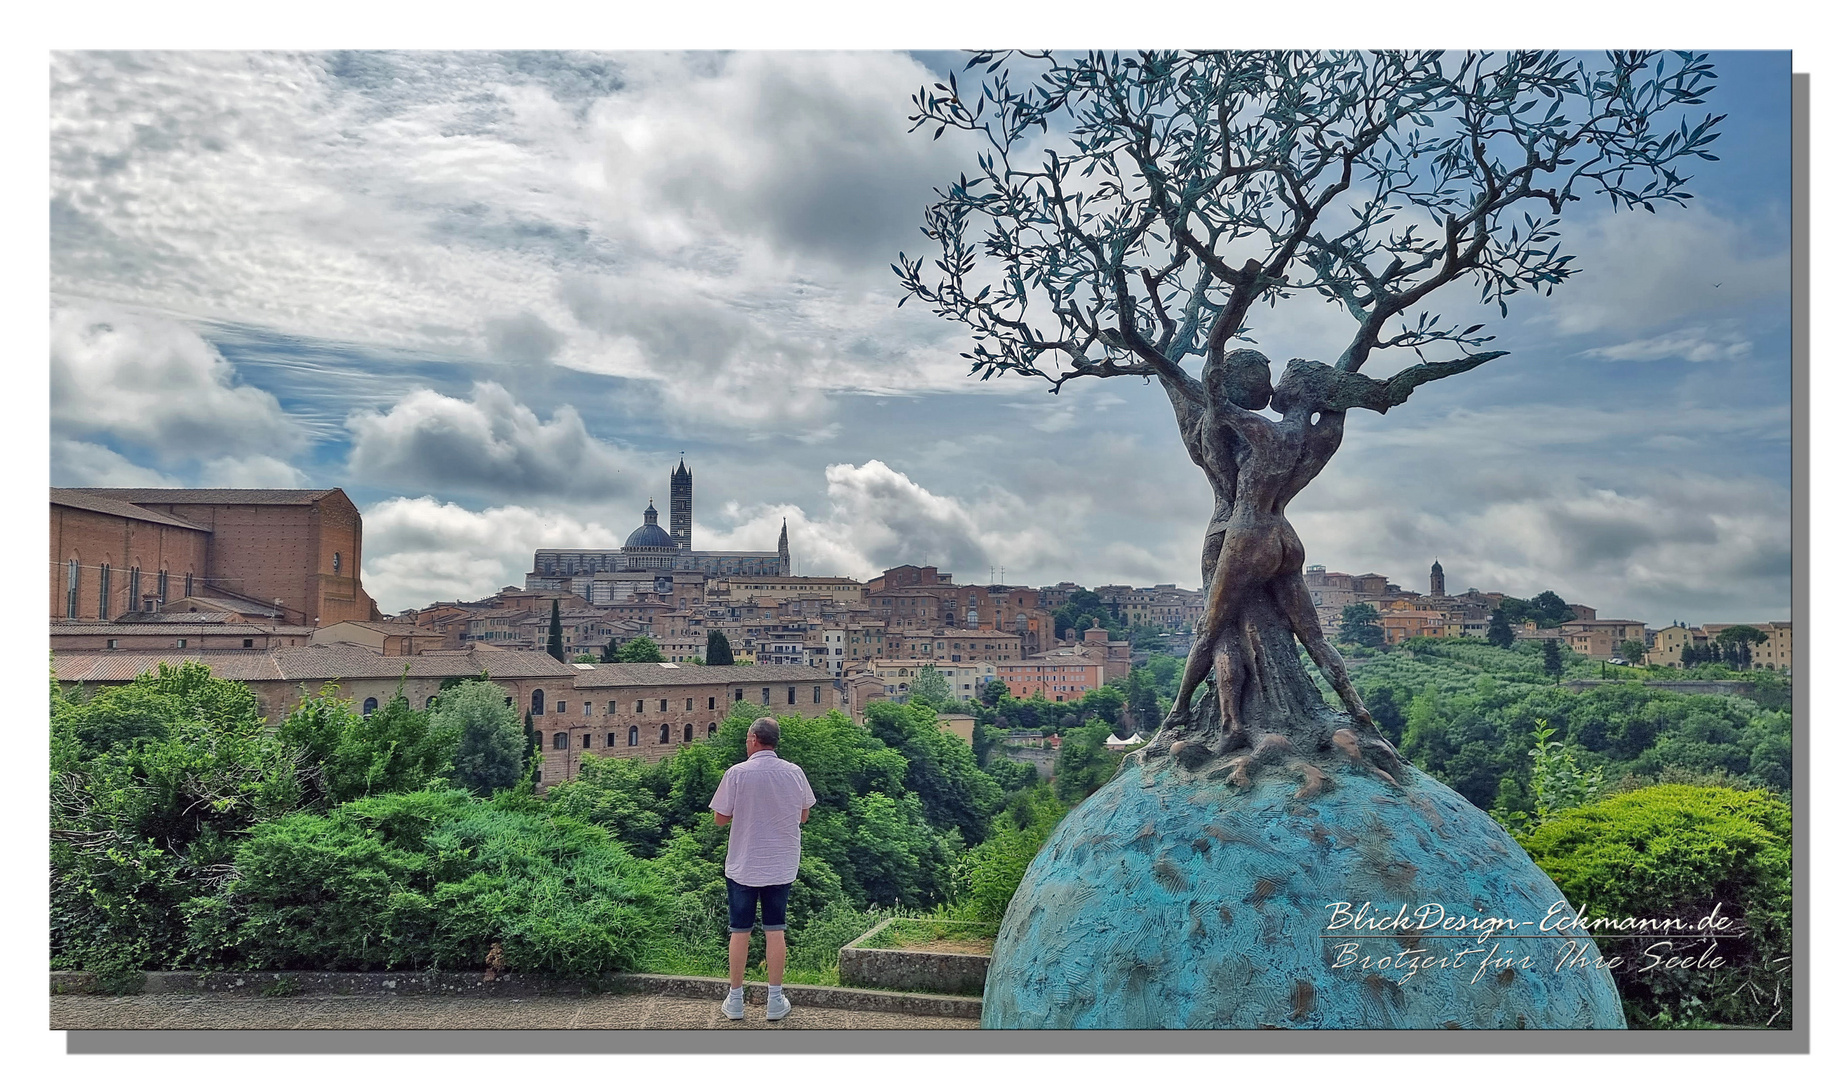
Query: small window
{"x": 712, "y": 704}
{"x": 639, "y": 706}
{"x": 111, "y": 643}
{"x": 738, "y": 695}
{"x": 586, "y": 706}
{"x": 610, "y": 708}
{"x": 370, "y": 705}
{"x": 816, "y": 696}
{"x": 249, "y": 643}
{"x": 559, "y": 741}
{"x": 181, "y": 644}
{"x": 587, "y": 741}
{"x": 690, "y": 704}
{"x": 610, "y": 738}
{"x": 336, "y": 562}
{"x": 561, "y": 707}
{"x": 766, "y": 696}
{"x": 661, "y": 704}
{"x": 792, "y": 695}
{"x": 537, "y": 702}
{"x": 665, "y": 733}
{"x": 633, "y": 736}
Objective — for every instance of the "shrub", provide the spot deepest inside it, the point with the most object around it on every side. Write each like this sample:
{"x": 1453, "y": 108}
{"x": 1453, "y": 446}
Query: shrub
{"x": 1673, "y": 850}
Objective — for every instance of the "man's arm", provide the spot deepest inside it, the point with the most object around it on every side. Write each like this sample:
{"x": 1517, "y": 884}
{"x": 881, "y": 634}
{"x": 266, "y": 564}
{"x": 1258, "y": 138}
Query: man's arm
{"x": 724, "y": 819}
{"x": 804, "y": 813}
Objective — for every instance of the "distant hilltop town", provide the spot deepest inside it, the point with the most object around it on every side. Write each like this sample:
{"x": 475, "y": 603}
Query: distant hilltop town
{"x": 264, "y": 586}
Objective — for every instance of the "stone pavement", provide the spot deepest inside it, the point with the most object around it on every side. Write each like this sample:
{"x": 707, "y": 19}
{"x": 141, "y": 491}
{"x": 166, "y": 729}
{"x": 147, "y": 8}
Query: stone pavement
{"x": 218, "y": 1011}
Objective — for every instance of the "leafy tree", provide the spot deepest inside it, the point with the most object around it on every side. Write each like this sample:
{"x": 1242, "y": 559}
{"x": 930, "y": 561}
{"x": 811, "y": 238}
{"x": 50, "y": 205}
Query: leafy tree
{"x": 586, "y": 658}
{"x": 716, "y": 649}
{"x": 1551, "y": 658}
{"x": 1632, "y": 651}
{"x": 1084, "y": 609}
{"x": 940, "y": 769}
{"x": 1106, "y": 704}
{"x": 489, "y": 749}
{"x": 618, "y": 794}
{"x": 1142, "y": 701}
{"x": 1500, "y": 633}
{"x": 153, "y": 785}
{"x": 555, "y": 645}
{"x": 1678, "y": 851}
{"x": 1084, "y": 763}
{"x": 931, "y": 688}
{"x": 1361, "y": 626}
{"x": 640, "y": 650}
{"x": 610, "y": 652}
{"x": 1750, "y": 635}
{"x": 994, "y": 691}
{"x": 988, "y": 875}
{"x": 349, "y": 756}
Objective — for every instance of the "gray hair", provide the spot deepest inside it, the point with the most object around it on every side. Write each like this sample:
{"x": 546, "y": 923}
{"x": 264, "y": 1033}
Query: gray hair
{"x": 766, "y": 732}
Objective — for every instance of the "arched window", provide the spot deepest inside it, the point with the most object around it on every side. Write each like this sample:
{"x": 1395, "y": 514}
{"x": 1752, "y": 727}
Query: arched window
{"x": 633, "y": 736}
{"x": 559, "y": 741}
{"x": 429, "y": 704}
{"x": 713, "y": 731}
{"x": 665, "y": 733}
{"x": 70, "y": 589}
{"x": 102, "y": 598}
{"x": 537, "y": 703}
{"x": 688, "y": 733}
{"x": 370, "y": 705}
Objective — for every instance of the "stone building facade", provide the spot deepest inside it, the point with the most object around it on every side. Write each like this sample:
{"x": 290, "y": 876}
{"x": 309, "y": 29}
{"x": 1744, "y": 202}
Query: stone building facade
{"x": 648, "y": 711}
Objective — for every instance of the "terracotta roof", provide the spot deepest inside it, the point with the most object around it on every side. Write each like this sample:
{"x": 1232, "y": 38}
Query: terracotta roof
{"x": 104, "y": 501}
{"x": 175, "y": 617}
{"x": 199, "y": 629}
{"x": 312, "y": 663}
{"x": 230, "y": 496}
{"x": 605, "y": 675}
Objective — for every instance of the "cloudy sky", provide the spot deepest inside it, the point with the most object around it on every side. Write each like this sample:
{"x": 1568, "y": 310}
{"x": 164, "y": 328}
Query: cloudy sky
{"x": 494, "y": 296}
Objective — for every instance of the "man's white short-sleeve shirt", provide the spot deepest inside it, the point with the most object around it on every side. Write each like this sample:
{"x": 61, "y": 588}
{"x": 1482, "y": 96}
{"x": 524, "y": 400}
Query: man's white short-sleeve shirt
{"x": 764, "y": 796}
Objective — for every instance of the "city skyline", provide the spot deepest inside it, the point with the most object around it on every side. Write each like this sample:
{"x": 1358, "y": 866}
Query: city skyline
{"x": 493, "y": 297}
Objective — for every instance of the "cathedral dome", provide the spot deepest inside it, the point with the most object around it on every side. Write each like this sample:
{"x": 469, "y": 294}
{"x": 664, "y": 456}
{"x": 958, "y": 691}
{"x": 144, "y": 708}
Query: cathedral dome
{"x": 650, "y": 535}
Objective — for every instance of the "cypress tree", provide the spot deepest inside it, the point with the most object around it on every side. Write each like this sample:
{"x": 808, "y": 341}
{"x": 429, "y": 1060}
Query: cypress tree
{"x": 716, "y": 649}
{"x": 555, "y": 647}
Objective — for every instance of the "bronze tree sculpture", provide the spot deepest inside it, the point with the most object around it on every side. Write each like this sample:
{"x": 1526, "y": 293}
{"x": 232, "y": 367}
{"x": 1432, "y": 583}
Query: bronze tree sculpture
{"x": 1192, "y": 187}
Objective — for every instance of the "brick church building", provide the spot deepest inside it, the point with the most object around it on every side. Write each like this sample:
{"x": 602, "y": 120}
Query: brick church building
{"x": 272, "y": 553}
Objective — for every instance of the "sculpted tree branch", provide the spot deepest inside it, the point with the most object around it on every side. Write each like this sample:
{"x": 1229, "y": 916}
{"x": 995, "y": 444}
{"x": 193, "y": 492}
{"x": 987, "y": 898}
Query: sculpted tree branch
{"x": 1184, "y": 191}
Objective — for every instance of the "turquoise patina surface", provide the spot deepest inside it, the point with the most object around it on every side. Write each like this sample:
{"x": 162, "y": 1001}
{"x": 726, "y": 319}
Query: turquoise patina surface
{"x": 1170, "y": 899}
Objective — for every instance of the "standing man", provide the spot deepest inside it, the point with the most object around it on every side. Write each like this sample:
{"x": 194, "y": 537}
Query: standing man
{"x": 767, "y": 799}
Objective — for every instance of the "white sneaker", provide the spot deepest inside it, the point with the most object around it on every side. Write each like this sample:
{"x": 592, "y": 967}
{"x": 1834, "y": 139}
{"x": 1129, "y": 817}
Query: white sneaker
{"x": 777, "y": 1005}
{"x": 732, "y": 1005}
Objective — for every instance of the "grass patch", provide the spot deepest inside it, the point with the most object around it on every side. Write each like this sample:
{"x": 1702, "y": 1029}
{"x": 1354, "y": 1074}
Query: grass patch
{"x": 921, "y": 933}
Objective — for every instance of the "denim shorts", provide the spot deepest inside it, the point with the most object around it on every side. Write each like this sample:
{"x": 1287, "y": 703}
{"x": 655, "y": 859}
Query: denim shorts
{"x": 742, "y": 901}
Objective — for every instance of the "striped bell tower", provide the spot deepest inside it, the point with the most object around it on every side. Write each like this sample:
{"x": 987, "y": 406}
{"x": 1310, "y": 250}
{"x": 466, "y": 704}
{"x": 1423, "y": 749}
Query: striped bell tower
{"x": 681, "y": 506}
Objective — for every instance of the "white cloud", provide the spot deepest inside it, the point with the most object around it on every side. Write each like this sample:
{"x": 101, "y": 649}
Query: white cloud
{"x": 421, "y": 550}
{"x": 1695, "y": 344}
{"x": 491, "y": 444}
{"x": 84, "y": 464}
{"x": 155, "y": 383}
{"x": 257, "y": 471}
{"x": 719, "y": 224}
{"x": 1639, "y": 271}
